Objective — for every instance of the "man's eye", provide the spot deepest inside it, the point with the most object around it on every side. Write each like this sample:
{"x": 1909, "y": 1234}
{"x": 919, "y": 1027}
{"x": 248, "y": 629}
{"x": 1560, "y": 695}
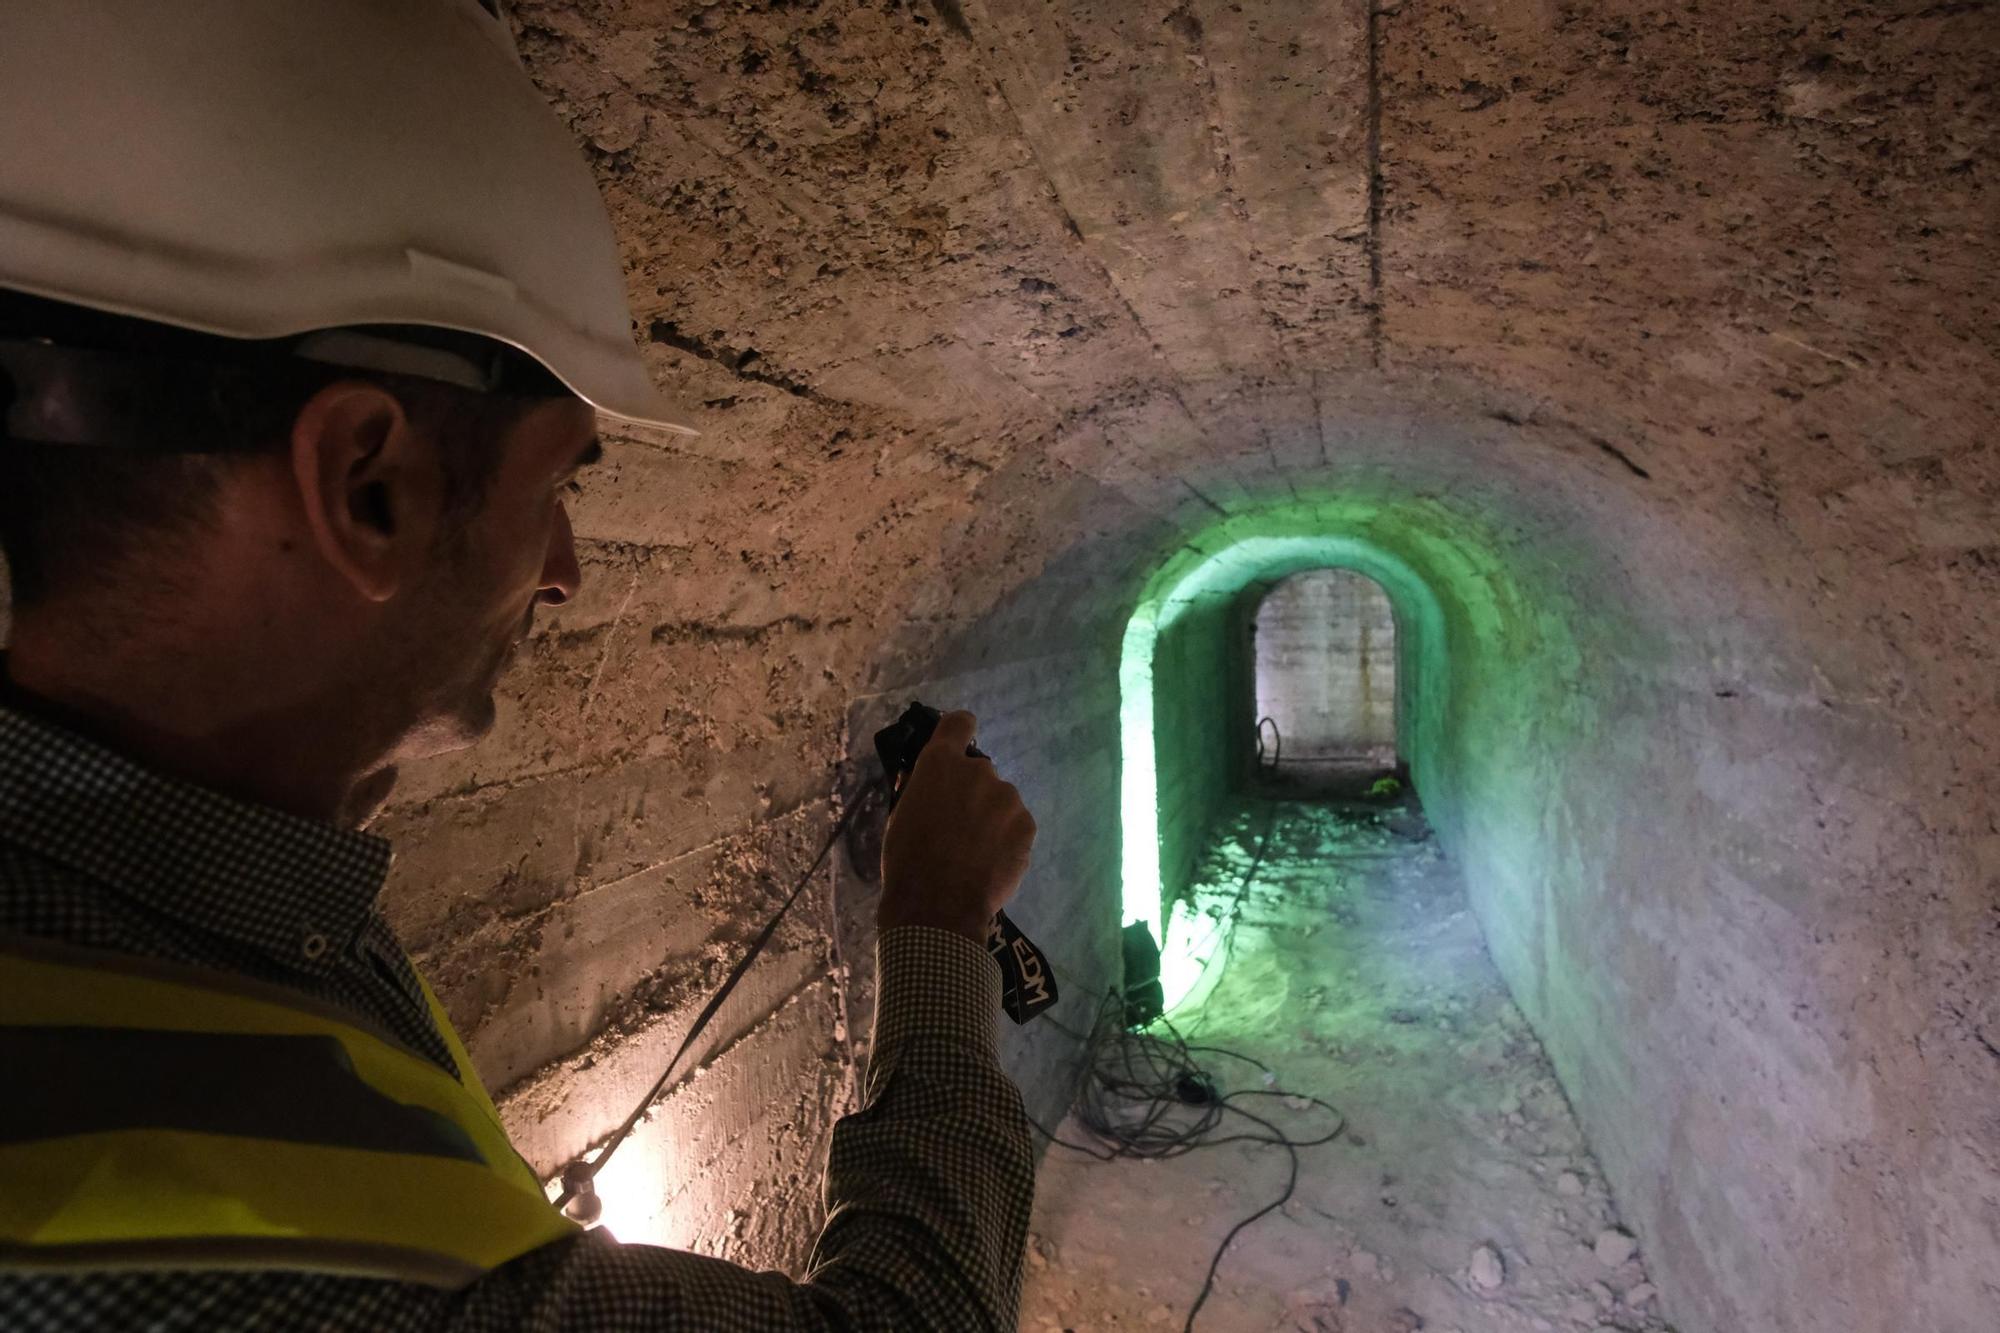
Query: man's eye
{"x": 573, "y": 486}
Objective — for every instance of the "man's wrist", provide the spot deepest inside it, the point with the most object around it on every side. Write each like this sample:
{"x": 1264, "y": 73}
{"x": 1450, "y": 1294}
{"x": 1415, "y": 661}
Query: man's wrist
{"x": 935, "y": 983}
{"x": 971, "y": 925}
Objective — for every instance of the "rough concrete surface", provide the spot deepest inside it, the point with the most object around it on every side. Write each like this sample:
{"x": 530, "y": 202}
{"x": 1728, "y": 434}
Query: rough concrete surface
{"x": 1657, "y": 338}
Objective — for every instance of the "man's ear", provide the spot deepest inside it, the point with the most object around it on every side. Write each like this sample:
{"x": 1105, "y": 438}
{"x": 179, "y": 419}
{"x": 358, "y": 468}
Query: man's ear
{"x": 369, "y": 485}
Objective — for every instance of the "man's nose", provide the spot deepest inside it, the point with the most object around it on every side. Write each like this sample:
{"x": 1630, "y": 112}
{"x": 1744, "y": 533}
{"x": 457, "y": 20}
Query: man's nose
{"x": 561, "y": 575}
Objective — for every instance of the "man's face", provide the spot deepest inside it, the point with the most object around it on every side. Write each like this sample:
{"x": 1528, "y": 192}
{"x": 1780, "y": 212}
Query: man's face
{"x": 461, "y": 627}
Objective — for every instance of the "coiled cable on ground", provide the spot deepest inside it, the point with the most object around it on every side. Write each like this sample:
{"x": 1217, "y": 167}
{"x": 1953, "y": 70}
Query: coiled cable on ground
{"x": 1145, "y": 1095}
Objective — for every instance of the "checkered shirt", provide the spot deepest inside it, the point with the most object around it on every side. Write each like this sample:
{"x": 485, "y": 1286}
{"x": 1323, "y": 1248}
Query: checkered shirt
{"x": 928, "y": 1187}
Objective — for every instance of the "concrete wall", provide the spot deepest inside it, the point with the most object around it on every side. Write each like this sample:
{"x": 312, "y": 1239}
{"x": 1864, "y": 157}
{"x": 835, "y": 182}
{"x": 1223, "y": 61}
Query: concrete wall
{"x": 1624, "y": 759}
{"x": 1325, "y": 652}
{"x": 1671, "y": 327}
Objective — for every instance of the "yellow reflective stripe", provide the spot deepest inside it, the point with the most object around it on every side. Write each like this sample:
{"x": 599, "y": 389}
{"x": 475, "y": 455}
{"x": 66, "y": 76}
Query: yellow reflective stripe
{"x": 459, "y": 1055}
{"x": 470, "y": 1076}
{"x": 182, "y": 1189}
{"x": 140, "y": 1185}
{"x": 42, "y": 994}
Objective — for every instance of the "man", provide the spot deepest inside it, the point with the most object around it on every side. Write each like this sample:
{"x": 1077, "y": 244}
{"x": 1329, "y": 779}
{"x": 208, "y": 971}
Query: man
{"x": 307, "y": 313}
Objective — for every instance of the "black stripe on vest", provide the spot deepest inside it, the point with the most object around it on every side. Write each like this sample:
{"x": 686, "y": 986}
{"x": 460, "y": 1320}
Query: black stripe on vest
{"x": 294, "y": 1089}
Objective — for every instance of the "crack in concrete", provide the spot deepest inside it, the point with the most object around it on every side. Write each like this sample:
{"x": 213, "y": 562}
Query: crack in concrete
{"x": 1509, "y": 418}
{"x": 953, "y": 17}
{"x": 590, "y": 697}
{"x": 740, "y": 362}
{"x": 1196, "y": 492}
{"x": 637, "y": 550}
{"x": 1319, "y": 421}
{"x": 1619, "y": 454}
{"x": 1172, "y": 377}
{"x": 1283, "y": 473}
{"x": 1188, "y": 28}
{"x": 611, "y": 633}
{"x": 694, "y": 631}
{"x": 963, "y": 462}
{"x": 472, "y": 789}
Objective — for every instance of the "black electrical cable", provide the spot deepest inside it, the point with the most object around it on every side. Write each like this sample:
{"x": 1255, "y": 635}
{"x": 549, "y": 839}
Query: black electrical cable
{"x": 1146, "y": 1096}
{"x": 1158, "y": 1076}
{"x": 578, "y": 1176}
{"x": 1291, "y": 1147}
{"x": 1277, "y": 750}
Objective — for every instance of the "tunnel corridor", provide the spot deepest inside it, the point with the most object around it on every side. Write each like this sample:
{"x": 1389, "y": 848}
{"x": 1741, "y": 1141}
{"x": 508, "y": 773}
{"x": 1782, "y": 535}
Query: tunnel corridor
{"x": 1319, "y": 949}
{"x": 1458, "y": 1192}
{"x": 1643, "y": 353}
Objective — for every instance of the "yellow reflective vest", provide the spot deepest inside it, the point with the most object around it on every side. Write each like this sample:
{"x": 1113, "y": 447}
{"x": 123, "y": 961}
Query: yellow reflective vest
{"x": 158, "y": 1116}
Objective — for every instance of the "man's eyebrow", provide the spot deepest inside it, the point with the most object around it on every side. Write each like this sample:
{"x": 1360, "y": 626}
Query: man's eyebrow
{"x": 592, "y": 453}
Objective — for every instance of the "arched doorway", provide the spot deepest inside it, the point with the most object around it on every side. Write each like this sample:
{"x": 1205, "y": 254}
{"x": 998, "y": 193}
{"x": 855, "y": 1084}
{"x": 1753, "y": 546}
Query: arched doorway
{"x": 1325, "y": 679}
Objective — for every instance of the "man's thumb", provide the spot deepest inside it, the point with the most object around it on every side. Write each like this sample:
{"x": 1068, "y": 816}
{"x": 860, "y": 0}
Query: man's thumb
{"x": 955, "y": 731}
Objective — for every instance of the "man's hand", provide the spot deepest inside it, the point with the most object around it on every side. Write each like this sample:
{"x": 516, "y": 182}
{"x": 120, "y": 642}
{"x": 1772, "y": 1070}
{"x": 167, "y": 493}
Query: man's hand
{"x": 958, "y": 844}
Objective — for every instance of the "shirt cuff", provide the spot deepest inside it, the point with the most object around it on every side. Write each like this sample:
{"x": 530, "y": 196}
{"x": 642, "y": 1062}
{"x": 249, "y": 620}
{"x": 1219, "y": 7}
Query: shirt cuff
{"x": 934, "y": 984}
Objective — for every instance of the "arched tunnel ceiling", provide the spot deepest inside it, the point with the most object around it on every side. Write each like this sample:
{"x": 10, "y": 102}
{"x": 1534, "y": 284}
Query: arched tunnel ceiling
{"x": 1098, "y": 230}
{"x": 953, "y": 288}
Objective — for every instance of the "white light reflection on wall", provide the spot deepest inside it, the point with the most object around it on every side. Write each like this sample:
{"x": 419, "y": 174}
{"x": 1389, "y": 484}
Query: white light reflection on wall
{"x": 639, "y": 1192}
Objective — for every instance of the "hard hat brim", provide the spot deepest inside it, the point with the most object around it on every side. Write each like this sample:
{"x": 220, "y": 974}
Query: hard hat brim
{"x": 262, "y": 171}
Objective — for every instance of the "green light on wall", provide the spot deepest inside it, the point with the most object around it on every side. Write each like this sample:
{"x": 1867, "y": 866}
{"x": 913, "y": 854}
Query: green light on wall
{"x": 1186, "y": 949}
{"x": 1221, "y": 562}
{"x": 1138, "y": 778}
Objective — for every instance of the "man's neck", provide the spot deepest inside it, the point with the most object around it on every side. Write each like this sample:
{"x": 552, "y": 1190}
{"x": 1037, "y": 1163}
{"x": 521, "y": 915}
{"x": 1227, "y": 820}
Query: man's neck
{"x": 180, "y": 717}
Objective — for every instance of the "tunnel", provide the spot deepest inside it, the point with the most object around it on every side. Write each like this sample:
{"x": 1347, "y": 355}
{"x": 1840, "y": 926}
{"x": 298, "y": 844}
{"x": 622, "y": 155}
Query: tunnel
{"x": 1642, "y": 353}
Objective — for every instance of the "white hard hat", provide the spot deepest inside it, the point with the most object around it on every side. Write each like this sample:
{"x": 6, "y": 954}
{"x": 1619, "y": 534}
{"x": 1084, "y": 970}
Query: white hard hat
{"x": 266, "y": 168}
